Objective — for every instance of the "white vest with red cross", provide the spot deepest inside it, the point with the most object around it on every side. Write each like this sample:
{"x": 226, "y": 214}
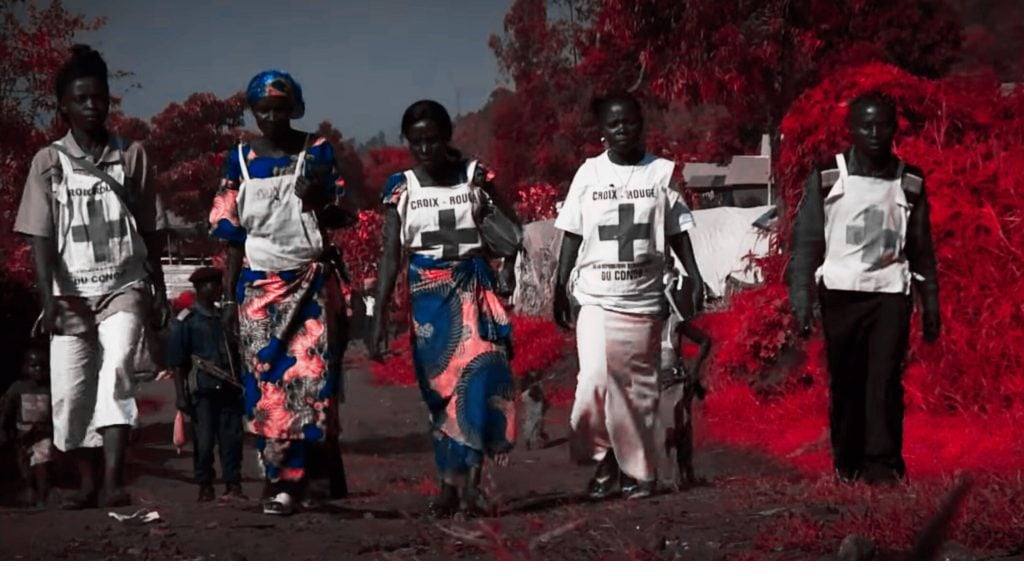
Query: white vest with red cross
{"x": 865, "y": 234}
{"x": 99, "y": 246}
{"x": 437, "y": 221}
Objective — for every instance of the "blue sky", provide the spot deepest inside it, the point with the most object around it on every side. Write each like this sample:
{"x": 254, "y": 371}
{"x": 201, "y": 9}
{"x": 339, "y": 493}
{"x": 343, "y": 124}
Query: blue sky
{"x": 360, "y": 63}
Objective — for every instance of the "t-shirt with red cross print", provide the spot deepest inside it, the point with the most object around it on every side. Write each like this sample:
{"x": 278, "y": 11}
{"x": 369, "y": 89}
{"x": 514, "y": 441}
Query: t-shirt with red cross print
{"x": 621, "y": 212}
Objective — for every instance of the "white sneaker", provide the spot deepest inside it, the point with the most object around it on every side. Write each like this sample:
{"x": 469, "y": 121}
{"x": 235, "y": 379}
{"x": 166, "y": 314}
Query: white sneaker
{"x": 280, "y": 505}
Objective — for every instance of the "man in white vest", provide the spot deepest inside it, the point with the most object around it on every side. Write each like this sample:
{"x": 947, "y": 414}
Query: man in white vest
{"x": 94, "y": 223}
{"x": 861, "y": 238}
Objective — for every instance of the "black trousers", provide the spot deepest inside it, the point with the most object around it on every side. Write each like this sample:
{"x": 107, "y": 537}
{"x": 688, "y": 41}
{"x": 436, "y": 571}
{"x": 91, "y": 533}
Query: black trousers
{"x": 866, "y": 337}
{"x": 217, "y": 419}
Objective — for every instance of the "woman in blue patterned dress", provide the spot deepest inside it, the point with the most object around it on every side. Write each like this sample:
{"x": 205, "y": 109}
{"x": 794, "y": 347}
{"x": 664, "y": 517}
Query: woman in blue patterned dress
{"x": 280, "y": 193}
{"x": 461, "y": 332}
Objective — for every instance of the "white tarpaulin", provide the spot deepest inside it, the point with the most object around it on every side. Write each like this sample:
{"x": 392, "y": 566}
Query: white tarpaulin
{"x": 722, "y": 240}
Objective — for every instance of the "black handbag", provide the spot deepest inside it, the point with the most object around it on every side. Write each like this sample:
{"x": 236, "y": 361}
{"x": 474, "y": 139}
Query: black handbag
{"x": 502, "y": 236}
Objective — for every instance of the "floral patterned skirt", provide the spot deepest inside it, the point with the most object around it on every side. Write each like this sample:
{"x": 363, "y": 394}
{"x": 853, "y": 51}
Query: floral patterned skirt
{"x": 291, "y": 362}
{"x": 459, "y": 331}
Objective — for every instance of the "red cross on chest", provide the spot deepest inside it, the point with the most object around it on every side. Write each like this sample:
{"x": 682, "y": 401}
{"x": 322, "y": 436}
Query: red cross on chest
{"x": 98, "y": 231}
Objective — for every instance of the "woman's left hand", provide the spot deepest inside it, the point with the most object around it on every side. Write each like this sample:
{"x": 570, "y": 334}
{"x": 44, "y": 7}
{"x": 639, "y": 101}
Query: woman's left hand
{"x": 311, "y": 192}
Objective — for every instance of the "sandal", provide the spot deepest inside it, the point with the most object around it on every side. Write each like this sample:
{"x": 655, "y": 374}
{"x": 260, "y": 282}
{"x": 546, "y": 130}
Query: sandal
{"x": 280, "y": 505}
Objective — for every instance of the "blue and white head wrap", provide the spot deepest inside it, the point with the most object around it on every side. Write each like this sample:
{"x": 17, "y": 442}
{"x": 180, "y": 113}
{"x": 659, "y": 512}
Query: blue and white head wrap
{"x": 276, "y": 83}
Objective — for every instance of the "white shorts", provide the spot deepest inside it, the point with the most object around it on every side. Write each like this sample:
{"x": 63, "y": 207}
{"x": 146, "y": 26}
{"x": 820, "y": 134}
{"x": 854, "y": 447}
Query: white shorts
{"x": 92, "y": 381}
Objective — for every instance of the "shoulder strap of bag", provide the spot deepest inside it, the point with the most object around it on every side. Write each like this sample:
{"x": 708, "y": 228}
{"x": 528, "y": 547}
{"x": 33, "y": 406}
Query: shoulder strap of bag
{"x": 94, "y": 170}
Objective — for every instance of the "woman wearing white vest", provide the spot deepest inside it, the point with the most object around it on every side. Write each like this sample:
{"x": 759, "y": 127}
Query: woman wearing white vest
{"x": 280, "y": 192}
{"x": 620, "y": 217}
{"x": 861, "y": 236}
{"x": 93, "y": 220}
{"x": 461, "y": 331}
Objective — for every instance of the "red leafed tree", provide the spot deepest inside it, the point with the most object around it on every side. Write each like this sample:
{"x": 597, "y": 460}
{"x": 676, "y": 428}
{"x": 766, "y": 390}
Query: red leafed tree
{"x": 379, "y": 164}
{"x": 969, "y": 139}
{"x": 352, "y": 165}
{"x": 34, "y": 41}
{"x": 186, "y": 143}
{"x": 755, "y": 57}
{"x": 713, "y": 76}
{"x": 361, "y": 243}
{"x": 537, "y": 131}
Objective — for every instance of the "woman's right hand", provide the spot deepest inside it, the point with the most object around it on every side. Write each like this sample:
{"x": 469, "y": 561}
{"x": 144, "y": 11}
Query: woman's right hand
{"x": 48, "y": 321}
{"x": 181, "y": 403}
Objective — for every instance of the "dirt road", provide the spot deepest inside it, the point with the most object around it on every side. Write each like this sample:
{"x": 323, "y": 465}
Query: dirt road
{"x": 738, "y": 514}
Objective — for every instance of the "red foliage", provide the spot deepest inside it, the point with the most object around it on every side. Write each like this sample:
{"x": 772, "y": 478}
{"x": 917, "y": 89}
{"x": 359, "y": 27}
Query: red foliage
{"x": 351, "y": 167}
{"x": 380, "y": 163}
{"x": 730, "y": 70}
{"x": 963, "y": 393}
{"x": 361, "y": 245}
{"x": 187, "y": 141}
{"x": 969, "y": 140}
{"x": 537, "y": 202}
{"x": 34, "y": 42}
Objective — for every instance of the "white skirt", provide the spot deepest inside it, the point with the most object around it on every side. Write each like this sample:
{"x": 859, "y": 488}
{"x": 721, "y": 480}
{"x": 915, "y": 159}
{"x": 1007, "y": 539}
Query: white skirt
{"x": 616, "y": 405}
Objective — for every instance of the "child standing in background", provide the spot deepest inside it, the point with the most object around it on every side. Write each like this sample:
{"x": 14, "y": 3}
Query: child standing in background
{"x": 25, "y": 418}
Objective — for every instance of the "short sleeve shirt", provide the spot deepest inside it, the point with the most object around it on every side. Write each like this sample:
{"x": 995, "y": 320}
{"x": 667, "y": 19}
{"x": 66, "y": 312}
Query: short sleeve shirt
{"x": 79, "y": 315}
{"x": 35, "y": 216}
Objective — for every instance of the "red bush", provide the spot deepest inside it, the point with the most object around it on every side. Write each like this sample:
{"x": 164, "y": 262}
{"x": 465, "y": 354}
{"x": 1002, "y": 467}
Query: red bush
{"x": 969, "y": 140}
{"x": 360, "y": 245}
{"x": 963, "y": 393}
